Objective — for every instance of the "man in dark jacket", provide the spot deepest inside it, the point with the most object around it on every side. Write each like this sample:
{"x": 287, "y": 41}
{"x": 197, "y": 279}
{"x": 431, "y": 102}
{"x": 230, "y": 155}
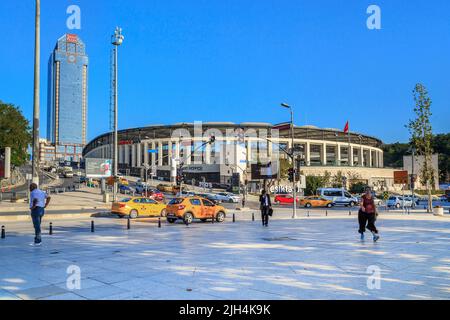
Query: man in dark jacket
{"x": 265, "y": 206}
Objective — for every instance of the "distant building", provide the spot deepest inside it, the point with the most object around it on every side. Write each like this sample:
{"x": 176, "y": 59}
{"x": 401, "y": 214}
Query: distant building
{"x": 418, "y": 164}
{"x": 67, "y": 98}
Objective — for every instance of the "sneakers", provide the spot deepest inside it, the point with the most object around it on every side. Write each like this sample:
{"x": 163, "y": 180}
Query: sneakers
{"x": 375, "y": 237}
{"x": 35, "y": 244}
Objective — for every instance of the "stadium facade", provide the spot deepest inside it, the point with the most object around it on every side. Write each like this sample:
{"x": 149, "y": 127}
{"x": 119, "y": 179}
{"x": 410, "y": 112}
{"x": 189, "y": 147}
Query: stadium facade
{"x": 159, "y": 150}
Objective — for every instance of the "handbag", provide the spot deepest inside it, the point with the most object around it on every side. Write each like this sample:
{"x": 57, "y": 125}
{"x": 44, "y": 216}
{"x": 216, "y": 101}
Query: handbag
{"x": 270, "y": 211}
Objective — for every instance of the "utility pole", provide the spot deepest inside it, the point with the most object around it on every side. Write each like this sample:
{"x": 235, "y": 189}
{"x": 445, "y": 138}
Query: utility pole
{"x": 413, "y": 178}
{"x": 294, "y": 167}
{"x": 117, "y": 40}
{"x": 37, "y": 58}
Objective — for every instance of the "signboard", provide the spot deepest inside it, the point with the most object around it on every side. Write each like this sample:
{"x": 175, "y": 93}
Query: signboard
{"x": 98, "y": 168}
{"x": 401, "y": 177}
{"x": 72, "y": 38}
{"x": 265, "y": 171}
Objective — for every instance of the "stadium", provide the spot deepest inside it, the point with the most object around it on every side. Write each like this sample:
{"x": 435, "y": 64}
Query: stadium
{"x": 221, "y": 152}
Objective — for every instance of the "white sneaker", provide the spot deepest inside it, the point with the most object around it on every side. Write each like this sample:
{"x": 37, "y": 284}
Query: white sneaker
{"x": 34, "y": 244}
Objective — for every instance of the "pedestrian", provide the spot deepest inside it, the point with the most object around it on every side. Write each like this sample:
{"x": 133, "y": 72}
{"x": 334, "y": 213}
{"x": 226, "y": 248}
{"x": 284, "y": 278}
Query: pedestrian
{"x": 265, "y": 206}
{"x": 39, "y": 200}
{"x": 367, "y": 215}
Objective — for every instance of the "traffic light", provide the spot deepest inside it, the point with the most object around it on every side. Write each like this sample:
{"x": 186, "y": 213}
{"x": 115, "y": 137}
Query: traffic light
{"x": 291, "y": 174}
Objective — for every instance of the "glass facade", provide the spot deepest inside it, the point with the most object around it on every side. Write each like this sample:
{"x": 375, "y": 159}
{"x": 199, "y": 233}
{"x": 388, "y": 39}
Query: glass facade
{"x": 67, "y": 94}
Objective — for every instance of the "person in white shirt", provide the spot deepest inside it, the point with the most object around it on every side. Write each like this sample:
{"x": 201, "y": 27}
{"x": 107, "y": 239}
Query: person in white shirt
{"x": 39, "y": 200}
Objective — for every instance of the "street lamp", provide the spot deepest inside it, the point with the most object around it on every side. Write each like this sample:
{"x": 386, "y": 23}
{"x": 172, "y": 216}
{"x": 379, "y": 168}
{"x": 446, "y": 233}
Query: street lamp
{"x": 116, "y": 40}
{"x": 37, "y": 58}
{"x": 294, "y": 191}
{"x": 412, "y": 149}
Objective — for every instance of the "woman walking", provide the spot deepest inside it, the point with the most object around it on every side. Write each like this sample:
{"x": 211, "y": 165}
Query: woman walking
{"x": 367, "y": 215}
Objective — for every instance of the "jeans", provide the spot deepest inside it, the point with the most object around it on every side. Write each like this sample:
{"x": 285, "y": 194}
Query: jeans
{"x": 265, "y": 215}
{"x": 369, "y": 219}
{"x": 36, "y": 216}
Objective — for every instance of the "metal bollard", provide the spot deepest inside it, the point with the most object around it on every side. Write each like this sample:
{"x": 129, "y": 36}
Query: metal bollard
{"x": 186, "y": 222}
{"x": 92, "y": 226}
{"x": 253, "y": 216}
{"x": 349, "y": 213}
{"x": 3, "y": 232}
{"x": 128, "y": 224}
{"x": 308, "y": 214}
{"x": 51, "y": 229}
{"x": 234, "y": 217}
{"x": 326, "y": 213}
{"x": 213, "y": 218}
{"x": 159, "y": 222}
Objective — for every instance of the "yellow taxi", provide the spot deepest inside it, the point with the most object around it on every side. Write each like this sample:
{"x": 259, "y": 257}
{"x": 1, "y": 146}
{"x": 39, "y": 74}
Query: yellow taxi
{"x": 190, "y": 208}
{"x": 315, "y": 201}
{"x": 134, "y": 207}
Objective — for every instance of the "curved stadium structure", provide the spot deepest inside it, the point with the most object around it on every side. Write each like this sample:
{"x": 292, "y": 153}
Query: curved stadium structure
{"x": 161, "y": 148}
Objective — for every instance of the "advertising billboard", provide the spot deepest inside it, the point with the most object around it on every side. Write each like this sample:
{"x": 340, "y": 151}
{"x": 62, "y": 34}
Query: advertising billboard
{"x": 98, "y": 168}
{"x": 401, "y": 177}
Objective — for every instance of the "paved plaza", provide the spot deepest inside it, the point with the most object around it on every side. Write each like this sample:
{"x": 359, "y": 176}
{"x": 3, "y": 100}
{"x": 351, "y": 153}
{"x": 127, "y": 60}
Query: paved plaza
{"x": 315, "y": 257}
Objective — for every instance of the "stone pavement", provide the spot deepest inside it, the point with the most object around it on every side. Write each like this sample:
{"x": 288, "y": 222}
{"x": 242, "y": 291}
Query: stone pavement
{"x": 307, "y": 258}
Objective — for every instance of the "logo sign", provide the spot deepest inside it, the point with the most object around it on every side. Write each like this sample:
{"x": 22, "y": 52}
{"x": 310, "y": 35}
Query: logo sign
{"x": 72, "y": 38}
{"x": 152, "y": 151}
{"x": 401, "y": 177}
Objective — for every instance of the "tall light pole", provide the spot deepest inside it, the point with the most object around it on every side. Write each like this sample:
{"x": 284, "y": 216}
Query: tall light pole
{"x": 413, "y": 178}
{"x": 37, "y": 58}
{"x": 294, "y": 187}
{"x": 117, "y": 40}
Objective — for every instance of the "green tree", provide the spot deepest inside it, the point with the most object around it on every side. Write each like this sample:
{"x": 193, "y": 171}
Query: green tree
{"x": 393, "y": 154}
{"x": 15, "y": 132}
{"x": 285, "y": 164}
{"x": 358, "y": 187}
{"x": 441, "y": 145}
{"x": 313, "y": 183}
{"x": 422, "y": 136}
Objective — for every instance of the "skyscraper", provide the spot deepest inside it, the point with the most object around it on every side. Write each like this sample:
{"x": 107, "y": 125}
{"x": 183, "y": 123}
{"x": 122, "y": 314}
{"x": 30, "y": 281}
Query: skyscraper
{"x": 67, "y": 98}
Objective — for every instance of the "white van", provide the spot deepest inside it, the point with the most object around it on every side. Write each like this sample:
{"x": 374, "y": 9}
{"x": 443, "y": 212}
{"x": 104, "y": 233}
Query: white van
{"x": 338, "y": 196}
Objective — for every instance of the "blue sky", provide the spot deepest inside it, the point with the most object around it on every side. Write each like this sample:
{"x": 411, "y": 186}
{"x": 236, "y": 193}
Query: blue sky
{"x": 236, "y": 60}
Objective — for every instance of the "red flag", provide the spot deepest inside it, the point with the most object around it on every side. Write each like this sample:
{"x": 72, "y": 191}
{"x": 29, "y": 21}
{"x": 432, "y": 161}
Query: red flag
{"x": 346, "y": 128}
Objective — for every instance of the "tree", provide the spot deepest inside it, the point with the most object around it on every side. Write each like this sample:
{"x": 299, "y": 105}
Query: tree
{"x": 15, "y": 132}
{"x": 441, "y": 145}
{"x": 358, "y": 187}
{"x": 422, "y": 136}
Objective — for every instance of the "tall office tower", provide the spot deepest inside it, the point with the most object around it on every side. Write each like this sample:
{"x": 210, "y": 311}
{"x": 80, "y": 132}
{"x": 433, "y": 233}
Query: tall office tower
{"x": 67, "y": 98}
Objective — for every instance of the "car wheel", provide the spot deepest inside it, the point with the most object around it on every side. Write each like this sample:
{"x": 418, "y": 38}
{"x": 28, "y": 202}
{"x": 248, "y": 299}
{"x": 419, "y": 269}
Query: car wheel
{"x": 352, "y": 204}
{"x": 397, "y": 205}
{"x": 133, "y": 214}
{"x": 308, "y": 205}
{"x": 171, "y": 220}
{"x": 220, "y": 216}
{"x": 188, "y": 218}
{"x": 329, "y": 205}
{"x": 231, "y": 201}
{"x": 163, "y": 213}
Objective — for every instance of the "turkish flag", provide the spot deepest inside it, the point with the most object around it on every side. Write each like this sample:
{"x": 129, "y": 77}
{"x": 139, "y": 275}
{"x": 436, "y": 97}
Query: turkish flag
{"x": 346, "y": 128}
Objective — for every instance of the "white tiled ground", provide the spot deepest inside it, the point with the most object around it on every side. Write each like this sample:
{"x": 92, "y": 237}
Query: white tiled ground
{"x": 308, "y": 258}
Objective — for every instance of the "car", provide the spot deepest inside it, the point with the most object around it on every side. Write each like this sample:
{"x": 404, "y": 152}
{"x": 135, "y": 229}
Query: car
{"x": 185, "y": 194}
{"x": 228, "y": 197}
{"x": 399, "y": 202}
{"x": 338, "y": 196}
{"x": 154, "y": 194}
{"x": 123, "y": 181}
{"x": 134, "y": 207}
{"x": 190, "y": 208}
{"x": 285, "y": 199}
{"x": 316, "y": 201}
{"x": 210, "y": 196}
{"x": 164, "y": 187}
{"x": 125, "y": 189}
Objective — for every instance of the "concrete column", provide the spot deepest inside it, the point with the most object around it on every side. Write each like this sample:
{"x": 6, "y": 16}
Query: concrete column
{"x": 338, "y": 154}
{"x": 120, "y": 151}
{"x": 160, "y": 153}
{"x": 177, "y": 150}
{"x": 350, "y": 156}
{"x": 269, "y": 149}
{"x": 127, "y": 154}
{"x": 370, "y": 158}
{"x": 138, "y": 154}
{"x": 324, "y": 154}
{"x": 207, "y": 154}
{"x": 361, "y": 156}
{"x": 308, "y": 153}
{"x": 133, "y": 155}
{"x": 249, "y": 150}
{"x": 146, "y": 153}
{"x": 153, "y": 155}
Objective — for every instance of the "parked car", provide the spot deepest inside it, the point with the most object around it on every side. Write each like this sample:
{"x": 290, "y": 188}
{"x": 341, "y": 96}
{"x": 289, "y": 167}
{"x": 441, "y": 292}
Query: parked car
{"x": 285, "y": 199}
{"x": 125, "y": 189}
{"x": 139, "y": 206}
{"x": 338, "y": 196}
{"x": 399, "y": 202}
{"x": 210, "y": 196}
{"x": 154, "y": 194}
{"x": 191, "y": 208}
{"x": 185, "y": 194}
{"x": 316, "y": 201}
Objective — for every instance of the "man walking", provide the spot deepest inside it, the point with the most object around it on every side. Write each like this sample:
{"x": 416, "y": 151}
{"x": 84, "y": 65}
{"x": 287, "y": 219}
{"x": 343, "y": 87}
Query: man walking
{"x": 265, "y": 206}
{"x": 39, "y": 200}
{"x": 367, "y": 215}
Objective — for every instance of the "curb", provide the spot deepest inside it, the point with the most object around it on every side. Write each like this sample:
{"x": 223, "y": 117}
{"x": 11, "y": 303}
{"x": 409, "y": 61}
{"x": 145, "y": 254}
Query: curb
{"x": 57, "y": 216}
